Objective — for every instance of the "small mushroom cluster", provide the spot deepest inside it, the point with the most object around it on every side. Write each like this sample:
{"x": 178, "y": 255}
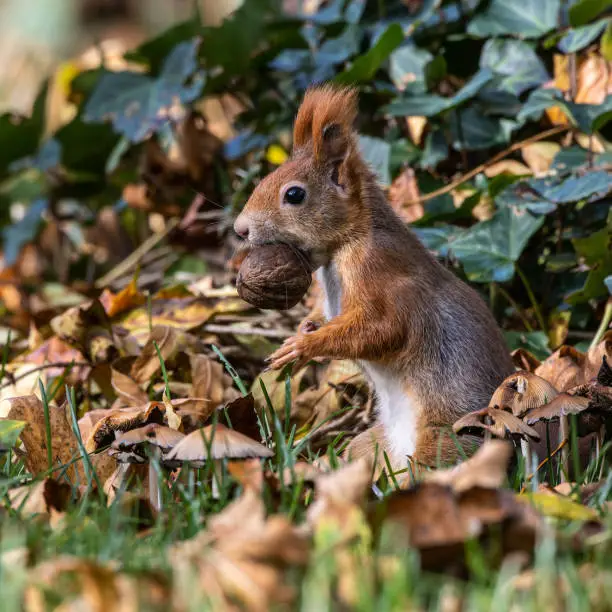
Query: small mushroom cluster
{"x": 140, "y": 438}
{"x": 540, "y": 393}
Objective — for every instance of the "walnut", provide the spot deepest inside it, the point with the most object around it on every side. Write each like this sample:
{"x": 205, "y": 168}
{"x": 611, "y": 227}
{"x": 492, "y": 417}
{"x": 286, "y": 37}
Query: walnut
{"x": 274, "y": 276}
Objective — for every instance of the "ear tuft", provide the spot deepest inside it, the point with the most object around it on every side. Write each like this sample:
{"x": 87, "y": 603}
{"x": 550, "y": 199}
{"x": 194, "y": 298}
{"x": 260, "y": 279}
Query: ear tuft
{"x": 325, "y": 121}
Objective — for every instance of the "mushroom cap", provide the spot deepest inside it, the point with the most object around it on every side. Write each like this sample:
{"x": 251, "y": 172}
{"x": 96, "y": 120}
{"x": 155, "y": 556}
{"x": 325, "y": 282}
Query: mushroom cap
{"x": 216, "y": 442}
{"x": 522, "y": 391}
{"x": 157, "y": 435}
{"x": 121, "y": 420}
{"x": 503, "y": 425}
{"x": 562, "y": 405}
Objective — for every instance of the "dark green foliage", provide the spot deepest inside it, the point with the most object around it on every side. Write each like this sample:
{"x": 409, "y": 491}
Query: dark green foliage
{"x": 477, "y": 70}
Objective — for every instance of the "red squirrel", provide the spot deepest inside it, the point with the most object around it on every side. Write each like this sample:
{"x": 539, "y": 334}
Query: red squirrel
{"x": 425, "y": 340}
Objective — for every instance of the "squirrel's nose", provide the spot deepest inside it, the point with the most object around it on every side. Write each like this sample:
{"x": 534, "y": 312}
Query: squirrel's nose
{"x": 241, "y": 227}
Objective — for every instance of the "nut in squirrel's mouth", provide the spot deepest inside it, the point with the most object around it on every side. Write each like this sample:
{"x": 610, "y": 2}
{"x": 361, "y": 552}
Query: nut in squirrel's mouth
{"x": 310, "y": 258}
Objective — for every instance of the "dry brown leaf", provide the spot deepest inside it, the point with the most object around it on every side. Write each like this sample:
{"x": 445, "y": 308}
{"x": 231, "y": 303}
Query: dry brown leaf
{"x": 180, "y": 314}
{"x": 438, "y": 522}
{"x": 416, "y": 128}
{"x": 508, "y": 166}
{"x": 371, "y": 444}
{"x": 402, "y": 196}
{"x": 208, "y": 383}
{"x": 93, "y": 587}
{"x": 89, "y": 419}
{"x": 34, "y": 438}
{"x": 487, "y": 468}
{"x": 241, "y": 416}
{"x": 336, "y": 491}
{"x": 564, "y": 369}
{"x": 127, "y": 389}
{"x": 596, "y": 354}
{"x": 87, "y": 328}
{"x": 524, "y": 360}
{"x": 47, "y": 497}
{"x": 242, "y": 555}
{"x": 126, "y": 299}
{"x": 169, "y": 341}
{"x": 539, "y": 155}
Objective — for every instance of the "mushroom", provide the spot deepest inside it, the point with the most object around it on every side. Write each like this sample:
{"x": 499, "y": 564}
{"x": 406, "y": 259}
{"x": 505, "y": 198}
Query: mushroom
{"x": 521, "y": 392}
{"x": 121, "y": 420}
{"x": 598, "y": 391}
{"x": 215, "y": 443}
{"x": 560, "y": 408}
{"x": 501, "y": 424}
{"x": 141, "y": 446}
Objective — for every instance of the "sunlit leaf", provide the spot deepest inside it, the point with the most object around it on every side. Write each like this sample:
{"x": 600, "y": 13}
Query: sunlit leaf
{"x": 138, "y": 104}
{"x": 526, "y": 18}
{"x": 489, "y": 250}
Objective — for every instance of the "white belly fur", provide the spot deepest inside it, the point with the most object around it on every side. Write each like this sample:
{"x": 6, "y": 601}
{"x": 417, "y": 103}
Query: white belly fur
{"x": 396, "y": 409}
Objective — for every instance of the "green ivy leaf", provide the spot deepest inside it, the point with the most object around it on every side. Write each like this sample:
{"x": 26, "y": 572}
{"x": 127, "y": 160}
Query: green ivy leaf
{"x": 588, "y": 117}
{"x": 20, "y": 136}
{"x": 407, "y": 65}
{"x": 606, "y": 42}
{"x": 575, "y": 188}
{"x": 429, "y": 105}
{"x": 22, "y": 232}
{"x": 578, "y": 38}
{"x": 471, "y": 130}
{"x": 9, "y": 433}
{"x": 364, "y": 68}
{"x": 584, "y": 11}
{"x": 377, "y": 152}
{"x": 154, "y": 51}
{"x": 596, "y": 252}
{"x": 525, "y": 18}
{"x": 489, "y": 250}
{"x": 535, "y": 342}
{"x": 138, "y": 104}
{"x": 516, "y": 62}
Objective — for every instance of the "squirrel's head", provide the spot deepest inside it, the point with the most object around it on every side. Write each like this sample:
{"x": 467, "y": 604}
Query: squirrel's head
{"x": 311, "y": 200}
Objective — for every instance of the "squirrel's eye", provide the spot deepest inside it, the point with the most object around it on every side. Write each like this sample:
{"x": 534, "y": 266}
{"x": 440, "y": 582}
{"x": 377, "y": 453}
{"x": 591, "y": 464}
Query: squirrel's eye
{"x": 295, "y": 195}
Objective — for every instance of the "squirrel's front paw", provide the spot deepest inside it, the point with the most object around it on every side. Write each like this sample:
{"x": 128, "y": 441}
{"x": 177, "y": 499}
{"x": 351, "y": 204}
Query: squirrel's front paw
{"x": 292, "y": 350}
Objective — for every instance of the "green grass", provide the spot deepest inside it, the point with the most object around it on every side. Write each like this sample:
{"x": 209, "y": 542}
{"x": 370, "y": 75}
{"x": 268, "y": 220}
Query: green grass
{"x": 105, "y": 534}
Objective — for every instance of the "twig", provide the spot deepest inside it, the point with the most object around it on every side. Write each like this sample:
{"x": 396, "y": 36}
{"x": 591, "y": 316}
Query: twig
{"x": 247, "y": 331}
{"x": 603, "y": 326}
{"x": 542, "y": 463}
{"x": 129, "y": 262}
{"x": 501, "y": 155}
{"x": 46, "y": 366}
{"x": 532, "y": 299}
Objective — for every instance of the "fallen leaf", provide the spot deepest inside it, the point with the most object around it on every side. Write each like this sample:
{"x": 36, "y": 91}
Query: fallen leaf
{"x": 126, "y": 299}
{"x": 559, "y": 506}
{"x": 404, "y": 196}
{"x": 127, "y": 389}
{"x": 87, "y": 328}
{"x": 34, "y": 437}
{"x": 487, "y": 469}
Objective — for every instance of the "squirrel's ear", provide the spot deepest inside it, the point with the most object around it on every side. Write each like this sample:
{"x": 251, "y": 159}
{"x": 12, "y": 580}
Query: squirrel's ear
{"x": 324, "y": 122}
{"x": 334, "y": 143}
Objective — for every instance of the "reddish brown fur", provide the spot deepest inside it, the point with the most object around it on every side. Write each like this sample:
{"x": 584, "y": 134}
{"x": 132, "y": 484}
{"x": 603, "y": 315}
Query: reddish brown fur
{"x": 400, "y": 309}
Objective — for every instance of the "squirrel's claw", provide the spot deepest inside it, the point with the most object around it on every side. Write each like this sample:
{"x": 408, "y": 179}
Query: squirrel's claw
{"x": 288, "y": 352}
